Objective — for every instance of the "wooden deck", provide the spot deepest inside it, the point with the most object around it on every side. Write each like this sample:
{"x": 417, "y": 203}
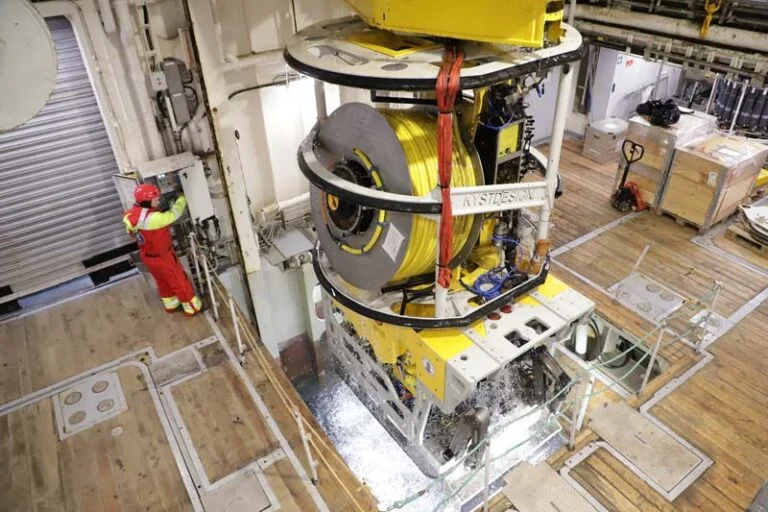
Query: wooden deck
{"x": 93, "y": 470}
{"x": 723, "y": 409}
{"x": 133, "y": 467}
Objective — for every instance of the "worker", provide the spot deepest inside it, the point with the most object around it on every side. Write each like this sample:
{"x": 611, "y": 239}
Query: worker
{"x": 151, "y": 228}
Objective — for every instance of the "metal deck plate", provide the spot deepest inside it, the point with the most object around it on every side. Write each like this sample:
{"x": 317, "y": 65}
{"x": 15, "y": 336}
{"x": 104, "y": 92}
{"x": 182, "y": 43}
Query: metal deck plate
{"x": 175, "y": 367}
{"x": 87, "y": 403}
{"x": 713, "y": 327}
{"x": 646, "y": 297}
{"x": 292, "y": 243}
{"x": 539, "y": 489}
{"x": 243, "y": 493}
{"x": 661, "y": 458}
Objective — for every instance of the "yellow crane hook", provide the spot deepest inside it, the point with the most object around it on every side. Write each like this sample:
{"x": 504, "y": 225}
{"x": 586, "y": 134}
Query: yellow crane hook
{"x": 711, "y": 7}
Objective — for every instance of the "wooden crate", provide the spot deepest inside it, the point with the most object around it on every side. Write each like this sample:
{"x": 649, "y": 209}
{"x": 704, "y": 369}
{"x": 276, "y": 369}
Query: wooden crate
{"x": 710, "y": 178}
{"x": 738, "y": 234}
{"x": 650, "y": 173}
{"x": 603, "y": 139}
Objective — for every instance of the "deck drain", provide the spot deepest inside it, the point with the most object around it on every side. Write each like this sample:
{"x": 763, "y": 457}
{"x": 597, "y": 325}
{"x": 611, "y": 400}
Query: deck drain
{"x": 73, "y": 398}
{"x": 645, "y": 306}
{"x": 653, "y": 288}
{"x": 87, "y": 403}
{"x": 100, "y": 386}
{"x": 77, "y": 418}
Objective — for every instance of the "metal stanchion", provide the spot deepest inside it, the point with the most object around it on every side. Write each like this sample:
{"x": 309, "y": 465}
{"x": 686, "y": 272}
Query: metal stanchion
{"x": 236, "y": 326}
{"x": 716, "y": 291}
{"x": 634, "y": 269}
{"x": 574, "y": 417}
{"x": 655, "y": 351}
{"x": 585, "y": 402}
{"x": 193, "y": 249}
{"x": 305, "y": 442}
{"x": 210, "y": 288}
{"x": 486, "y": 489}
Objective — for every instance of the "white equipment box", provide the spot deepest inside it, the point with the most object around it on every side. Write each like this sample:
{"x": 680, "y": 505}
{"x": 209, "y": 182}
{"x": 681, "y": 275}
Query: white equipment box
{"x": 191, "y": 176}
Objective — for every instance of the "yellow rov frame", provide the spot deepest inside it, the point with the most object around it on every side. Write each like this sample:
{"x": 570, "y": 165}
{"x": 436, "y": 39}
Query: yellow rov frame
{"x": 437, "y": 346}
{"x": 530, "y": 23}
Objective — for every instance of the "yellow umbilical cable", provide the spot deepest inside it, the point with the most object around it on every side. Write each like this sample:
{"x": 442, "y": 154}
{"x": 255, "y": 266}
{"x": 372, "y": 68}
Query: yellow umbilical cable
{"x": 417, "y": 132}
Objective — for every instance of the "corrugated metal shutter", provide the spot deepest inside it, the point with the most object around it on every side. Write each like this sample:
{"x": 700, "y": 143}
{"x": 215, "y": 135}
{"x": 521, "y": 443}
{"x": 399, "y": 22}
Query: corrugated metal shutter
{"x": 58, "y": 204}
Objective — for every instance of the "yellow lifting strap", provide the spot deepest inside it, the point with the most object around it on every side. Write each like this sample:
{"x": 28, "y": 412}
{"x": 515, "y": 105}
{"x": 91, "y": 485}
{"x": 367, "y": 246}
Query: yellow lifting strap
{"x": 711, "y": 7}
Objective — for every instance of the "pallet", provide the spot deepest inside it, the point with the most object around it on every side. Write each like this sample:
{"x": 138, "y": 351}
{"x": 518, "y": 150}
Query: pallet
{"x": 740, "y": 235}
{"x": 679, "y": 220}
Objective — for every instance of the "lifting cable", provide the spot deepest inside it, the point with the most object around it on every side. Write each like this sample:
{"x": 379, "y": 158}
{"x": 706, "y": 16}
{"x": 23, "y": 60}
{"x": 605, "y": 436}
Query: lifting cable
{"x": 446, "y": 89}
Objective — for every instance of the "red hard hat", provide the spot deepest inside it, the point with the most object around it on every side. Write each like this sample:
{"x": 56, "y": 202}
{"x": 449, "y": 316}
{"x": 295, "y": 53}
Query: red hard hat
{"x": 146, "y": 192}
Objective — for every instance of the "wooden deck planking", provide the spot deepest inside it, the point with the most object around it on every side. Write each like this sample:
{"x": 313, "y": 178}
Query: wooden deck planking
{"x": 48, "y": 346}
{"x": 223, "y": 422}
{"x": 672, "y": 260}
{"x": 93, "y": 470}
{"x": 290, "y": 490}
{"x": 67, "y": 339}
{"x": 278, "y": 391}
{"x": 584, "y": 206}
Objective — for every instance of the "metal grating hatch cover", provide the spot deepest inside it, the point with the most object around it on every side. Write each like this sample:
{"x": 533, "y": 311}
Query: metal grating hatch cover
{"x": 646, "y": 297}
{"x": 90, "y": 401}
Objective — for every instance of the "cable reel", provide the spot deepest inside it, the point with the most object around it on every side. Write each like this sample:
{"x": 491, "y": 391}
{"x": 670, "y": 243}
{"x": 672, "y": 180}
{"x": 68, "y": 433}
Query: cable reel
{"x": 393, "y": 151}
{"x": 346, "y": 218}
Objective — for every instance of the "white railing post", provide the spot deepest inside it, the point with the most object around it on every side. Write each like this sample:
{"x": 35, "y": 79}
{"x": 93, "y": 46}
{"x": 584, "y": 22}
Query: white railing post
{"x": 655, "y": 351}
{"x": 585, "y": 402}
{"x": 562, "y": 109}
{"x": 716, "y": 294}
{"x": 487, "y": 477}
{"x": 574, "y": 414}
{"x": 193, "y": 248}
{"x": 210, "y": 288}
{"x": 236, "y": 327}
{"x": 305, "y": 442}
{"x": 635, "y": 267}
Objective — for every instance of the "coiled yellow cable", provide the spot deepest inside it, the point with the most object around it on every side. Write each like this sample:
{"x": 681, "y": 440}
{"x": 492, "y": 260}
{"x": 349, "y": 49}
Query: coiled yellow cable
{"x": 417, "y": 132}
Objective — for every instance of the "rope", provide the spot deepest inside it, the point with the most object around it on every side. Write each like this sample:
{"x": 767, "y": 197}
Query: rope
{"x": 447, "y": 88}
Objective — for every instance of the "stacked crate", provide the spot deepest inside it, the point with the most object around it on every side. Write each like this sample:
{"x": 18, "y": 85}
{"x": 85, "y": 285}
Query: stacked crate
{"x": 650, "y": 173}
{"x": 710, "y": 178}
{"x": 603, "y": 139}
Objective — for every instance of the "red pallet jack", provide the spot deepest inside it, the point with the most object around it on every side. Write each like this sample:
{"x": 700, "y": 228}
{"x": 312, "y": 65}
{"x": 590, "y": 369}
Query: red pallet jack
{"x": 628, "y": 196}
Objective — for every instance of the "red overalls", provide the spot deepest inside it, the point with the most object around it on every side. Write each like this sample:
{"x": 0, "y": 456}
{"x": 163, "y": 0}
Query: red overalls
{"x": 151, "y": 229}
